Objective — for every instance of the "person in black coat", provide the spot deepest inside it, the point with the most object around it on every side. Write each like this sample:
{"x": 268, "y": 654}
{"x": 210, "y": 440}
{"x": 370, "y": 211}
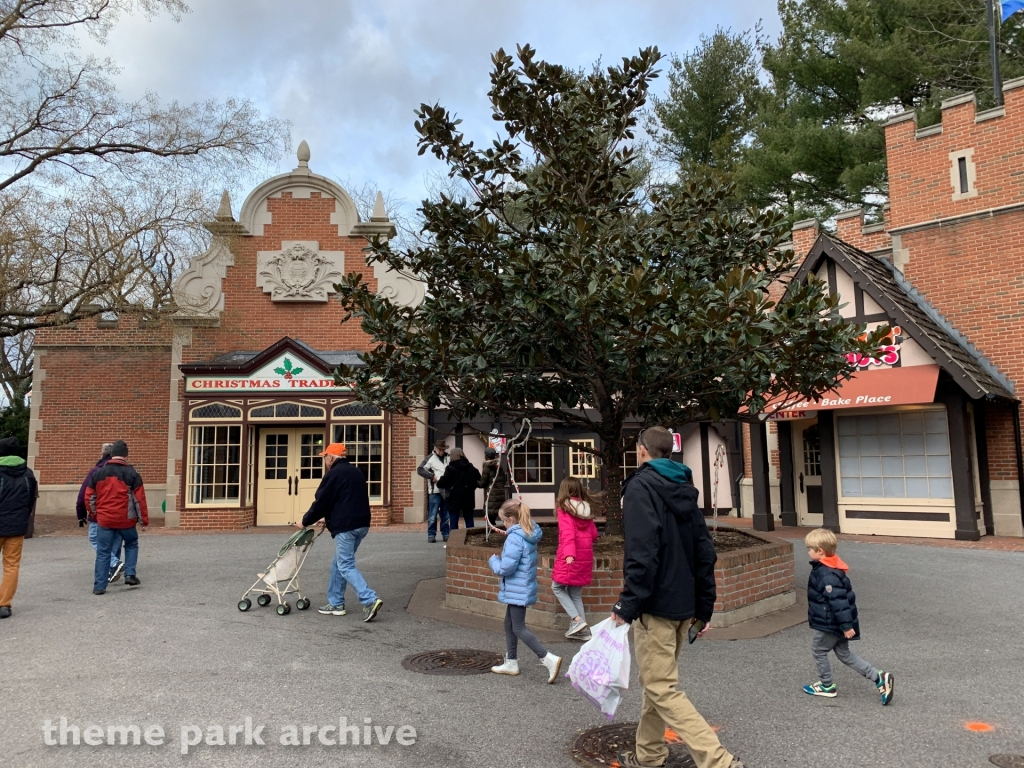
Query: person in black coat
{"x": 460, "y": 479}
{"x": 342, "y": 502}
{"x": 18, "y": 493}
{"x": 493, "y": 481}
{"x": 668, "y": 584}
{"x": 832, "y": 614}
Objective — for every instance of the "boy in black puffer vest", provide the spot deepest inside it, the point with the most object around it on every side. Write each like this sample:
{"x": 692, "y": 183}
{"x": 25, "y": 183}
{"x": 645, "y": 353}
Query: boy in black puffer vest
{"x": 832, "y": 614}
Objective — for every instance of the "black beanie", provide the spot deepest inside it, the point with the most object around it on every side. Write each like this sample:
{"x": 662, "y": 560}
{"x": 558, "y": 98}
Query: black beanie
{"x": 119, "y": 448}
{"x": 10, "y": 446}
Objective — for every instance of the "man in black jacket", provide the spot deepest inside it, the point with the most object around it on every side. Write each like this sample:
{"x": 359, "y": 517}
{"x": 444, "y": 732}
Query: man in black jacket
{"x": 342, "y": 502}
{"x": 668, "y": 584}
{"x": 18, "y": 492}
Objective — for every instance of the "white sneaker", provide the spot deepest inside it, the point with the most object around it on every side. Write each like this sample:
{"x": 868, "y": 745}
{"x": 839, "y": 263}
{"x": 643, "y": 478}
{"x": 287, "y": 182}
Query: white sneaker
{"x": 510, "y": 667}
{"x": 553, "y": 664}
{"x": 575, "y": 627}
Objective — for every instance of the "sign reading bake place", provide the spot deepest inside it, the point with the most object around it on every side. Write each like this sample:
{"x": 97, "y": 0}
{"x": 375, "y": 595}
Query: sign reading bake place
{"x": 287, "y": 373}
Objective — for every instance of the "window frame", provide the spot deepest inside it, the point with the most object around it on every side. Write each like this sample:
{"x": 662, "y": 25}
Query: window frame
{"x": 195, "y": 467}
{"x": 385, "y": 447}
{"x": 589, "y": 461}
{"x": 550, "y": 468}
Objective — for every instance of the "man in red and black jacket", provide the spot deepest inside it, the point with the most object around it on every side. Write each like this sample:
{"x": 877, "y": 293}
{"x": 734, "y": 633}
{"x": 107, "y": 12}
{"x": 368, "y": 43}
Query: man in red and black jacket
{"x": 116, "y": 499}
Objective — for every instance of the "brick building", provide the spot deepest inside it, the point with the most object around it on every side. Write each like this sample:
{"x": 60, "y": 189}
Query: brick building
{"x": 937, "y": 452}
{"x": 226, "y": 405}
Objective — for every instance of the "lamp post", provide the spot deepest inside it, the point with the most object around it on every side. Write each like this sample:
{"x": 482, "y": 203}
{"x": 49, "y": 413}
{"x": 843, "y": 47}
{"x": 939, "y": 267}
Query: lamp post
{"x": 997, "y": 78}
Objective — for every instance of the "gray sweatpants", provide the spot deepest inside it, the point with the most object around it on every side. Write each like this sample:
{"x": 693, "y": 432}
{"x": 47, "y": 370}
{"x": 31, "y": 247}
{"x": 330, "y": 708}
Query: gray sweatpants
{"x": 823, "y": 642}
{"x": 571, "y": 599}
{"x": 515, "y": 630}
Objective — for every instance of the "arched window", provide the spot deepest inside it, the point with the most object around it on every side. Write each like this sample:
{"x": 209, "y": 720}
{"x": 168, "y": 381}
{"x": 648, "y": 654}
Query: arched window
{"x": 287, "y": 411}
{"x": 216, "y": 411}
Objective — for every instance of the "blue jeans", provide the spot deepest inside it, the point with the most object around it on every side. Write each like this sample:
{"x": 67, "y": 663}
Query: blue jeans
{"x": 466, "y": 515}
{"x": 437, "y": 505}
{"x": 115, "y": 555}
{"x": 109, "y": 540}
{"x": 344, "y": 571}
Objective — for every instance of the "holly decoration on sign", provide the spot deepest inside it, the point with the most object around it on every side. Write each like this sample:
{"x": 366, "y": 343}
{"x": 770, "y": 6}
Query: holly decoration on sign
{"x": 288, "y": 372}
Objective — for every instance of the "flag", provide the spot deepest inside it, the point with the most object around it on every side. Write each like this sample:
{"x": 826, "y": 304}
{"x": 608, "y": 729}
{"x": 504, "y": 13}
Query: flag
{"x": 1010, "y": 7}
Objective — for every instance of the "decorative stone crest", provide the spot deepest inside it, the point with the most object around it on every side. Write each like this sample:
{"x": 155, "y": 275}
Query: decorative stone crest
{"x": 300, "y": 271}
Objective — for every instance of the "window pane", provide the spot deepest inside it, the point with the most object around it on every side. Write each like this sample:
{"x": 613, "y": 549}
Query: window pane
{"x": 941, "y": 488}
{"x": 872, "y": 486}
{"x": 939, "y": 466}
{"x": 936, "y": 443}
{"x": 917, "y": 488}
{"x": 215, "y": 455}
{"x": 894, "y": 488}
{"x": 851, "y": 486}
{"x": 915, "y": 466}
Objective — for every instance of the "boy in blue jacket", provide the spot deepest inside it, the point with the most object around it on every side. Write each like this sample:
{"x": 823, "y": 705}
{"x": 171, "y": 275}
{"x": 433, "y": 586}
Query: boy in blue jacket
{"x": 832, "y": 614}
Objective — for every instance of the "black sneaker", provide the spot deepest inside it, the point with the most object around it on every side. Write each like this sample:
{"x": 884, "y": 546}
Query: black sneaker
{"x": 99, "y": 591}
{"x": 116, "y": 573}
{"x": 370, "y": 611}
{"x": 885, "y": 685}
{"x": 5, "y": 611}
{"x": 131, "y": 581}
{"x": 431, "y": 540}
{"x": 331, "y": 610}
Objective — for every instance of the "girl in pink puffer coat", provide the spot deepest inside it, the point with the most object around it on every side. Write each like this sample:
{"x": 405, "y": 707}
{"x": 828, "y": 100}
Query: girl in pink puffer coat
{"x": 574, "y": 561}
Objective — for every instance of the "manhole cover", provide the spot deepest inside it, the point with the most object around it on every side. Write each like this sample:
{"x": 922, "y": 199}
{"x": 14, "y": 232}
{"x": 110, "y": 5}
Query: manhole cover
{"x": 457, "y": 661}
{"x": 1007, "y": 761}
{"x": 599, "y": 746}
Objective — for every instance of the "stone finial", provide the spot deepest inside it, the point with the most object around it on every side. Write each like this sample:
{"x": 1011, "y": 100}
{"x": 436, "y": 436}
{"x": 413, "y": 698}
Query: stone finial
{"x": 379, "y": 214}
{"x": 224, "y": 211}
{"x": 303, "y": 154}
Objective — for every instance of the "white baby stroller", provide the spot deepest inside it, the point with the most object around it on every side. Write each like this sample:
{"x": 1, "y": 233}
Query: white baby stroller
{"x": 282, "y": 576}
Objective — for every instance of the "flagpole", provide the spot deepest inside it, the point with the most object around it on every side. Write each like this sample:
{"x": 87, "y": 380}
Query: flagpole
{"x": 997, "y": 78}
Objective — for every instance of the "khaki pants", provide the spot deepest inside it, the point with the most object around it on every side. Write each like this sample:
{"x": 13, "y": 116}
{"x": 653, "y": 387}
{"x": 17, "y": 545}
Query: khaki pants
{"x": 10, "y": 547}
{"x": 657, "y": 643}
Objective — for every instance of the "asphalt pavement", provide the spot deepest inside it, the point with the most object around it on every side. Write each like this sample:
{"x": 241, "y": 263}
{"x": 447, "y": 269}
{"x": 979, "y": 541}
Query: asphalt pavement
{"x": 176, "y": 653}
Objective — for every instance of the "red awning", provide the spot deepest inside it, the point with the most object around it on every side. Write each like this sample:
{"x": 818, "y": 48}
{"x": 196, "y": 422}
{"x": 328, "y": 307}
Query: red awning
{"x": 912, "y": 385}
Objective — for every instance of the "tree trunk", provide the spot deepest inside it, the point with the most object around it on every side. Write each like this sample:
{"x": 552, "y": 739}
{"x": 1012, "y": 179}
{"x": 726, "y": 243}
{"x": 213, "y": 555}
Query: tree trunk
{"x": 612, "y": 461}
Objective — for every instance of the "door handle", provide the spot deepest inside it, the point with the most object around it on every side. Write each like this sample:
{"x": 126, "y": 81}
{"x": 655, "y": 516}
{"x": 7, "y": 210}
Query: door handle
{"x": 801, "y": 482}
{"x": 290, "y": 485}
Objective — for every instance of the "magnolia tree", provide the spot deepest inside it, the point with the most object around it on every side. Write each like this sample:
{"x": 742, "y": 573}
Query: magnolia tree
{"x": 560, "y": 288}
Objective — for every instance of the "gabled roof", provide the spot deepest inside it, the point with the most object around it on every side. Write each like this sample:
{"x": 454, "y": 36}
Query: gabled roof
{"x": 973, "y": 372}
{"x": 247, "y": 362}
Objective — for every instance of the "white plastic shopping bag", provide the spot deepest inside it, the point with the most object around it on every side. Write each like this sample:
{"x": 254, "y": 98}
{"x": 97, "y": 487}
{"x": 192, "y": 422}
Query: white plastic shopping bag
{"x": 600, "y": 671}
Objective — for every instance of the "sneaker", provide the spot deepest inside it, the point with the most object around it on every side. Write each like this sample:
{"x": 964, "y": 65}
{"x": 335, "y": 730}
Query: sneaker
{"x": 736, "y": 763}
{"x": 446, "y": 538}
{"x": 552, "y": 663}
{"x": 628, "y": 759}
{"x": 131, "y": 581}
{"x": 431, "y": 540}
{"x": 370, "y": 611}
{"x": 583, "y": 637}
{"x": 576, "y": 627}
{"x": 331, "y": 610}
{"x": 508, "y": 667}
{"x": 5, "y": 611}
{"x": 885, "y": 686}
{"x": 820, "y": 689}
{"x": 99, "y": 591}
{"x": 116, "y": 572}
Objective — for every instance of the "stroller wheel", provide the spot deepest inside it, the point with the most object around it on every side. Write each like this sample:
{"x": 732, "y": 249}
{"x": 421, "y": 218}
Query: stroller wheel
{"x": 263, "y": 600}
{"x": 284, "y": 609}
{"x": 302, "y": 604}
{"x": 244, "y": 604}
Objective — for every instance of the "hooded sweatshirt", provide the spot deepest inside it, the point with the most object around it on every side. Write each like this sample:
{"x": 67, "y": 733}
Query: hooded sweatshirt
{"x": 669, "y": 564}
{"x": 517, "y": 566}
{"x": 18, "y": 491}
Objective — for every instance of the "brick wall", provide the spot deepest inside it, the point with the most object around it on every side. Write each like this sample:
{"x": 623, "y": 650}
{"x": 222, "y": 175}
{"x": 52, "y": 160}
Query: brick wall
{"x": 742, "y": 578}
{"x": 94, "y": 392}
{"x": 225, "y": 519}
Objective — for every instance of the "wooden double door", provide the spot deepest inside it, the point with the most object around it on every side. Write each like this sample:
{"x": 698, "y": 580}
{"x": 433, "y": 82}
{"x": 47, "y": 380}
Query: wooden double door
{"x": 290, "y": 471}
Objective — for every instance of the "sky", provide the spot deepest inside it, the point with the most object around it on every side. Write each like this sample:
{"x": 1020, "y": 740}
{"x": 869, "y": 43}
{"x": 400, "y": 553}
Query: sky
{"x": 348, "y": 75}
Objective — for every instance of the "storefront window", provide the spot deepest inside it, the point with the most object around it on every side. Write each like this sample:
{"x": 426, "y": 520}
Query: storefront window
{"x": 534, "y": 462}
{"x": 895, "y": 455}
{"x": 287, "y": 411}
{"x": 365, "y": 445}
{"x": 214, "y": 464}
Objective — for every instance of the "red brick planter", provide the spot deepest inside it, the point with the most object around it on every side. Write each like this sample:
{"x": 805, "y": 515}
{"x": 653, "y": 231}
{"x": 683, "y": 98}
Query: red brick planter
{"x": 751, "y": 582}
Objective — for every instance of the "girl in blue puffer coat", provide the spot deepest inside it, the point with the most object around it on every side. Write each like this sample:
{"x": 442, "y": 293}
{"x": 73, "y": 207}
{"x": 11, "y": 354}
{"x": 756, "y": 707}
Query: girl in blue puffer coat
{"x": 517, "y": 567}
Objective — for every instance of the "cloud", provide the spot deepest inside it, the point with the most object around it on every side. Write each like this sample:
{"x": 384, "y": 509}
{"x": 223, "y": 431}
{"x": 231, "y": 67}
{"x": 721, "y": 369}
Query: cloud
{"x": 349, "y": 75}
